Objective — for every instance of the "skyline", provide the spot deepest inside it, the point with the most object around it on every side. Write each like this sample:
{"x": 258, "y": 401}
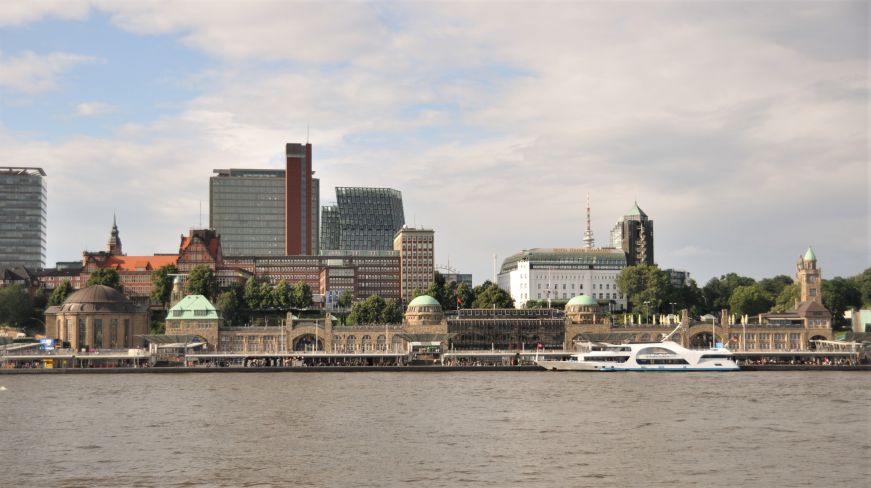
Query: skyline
{"x": 741, "y": 132}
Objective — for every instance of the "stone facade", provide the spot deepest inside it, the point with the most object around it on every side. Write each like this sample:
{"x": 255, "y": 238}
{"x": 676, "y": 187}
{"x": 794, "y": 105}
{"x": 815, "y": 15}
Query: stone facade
{"x": 97, "y": 317}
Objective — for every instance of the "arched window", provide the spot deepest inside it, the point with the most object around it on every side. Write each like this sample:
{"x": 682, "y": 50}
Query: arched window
{"x": 381, "y": 343}
{"x": 366, "y": 343}
{"x": 351, "y": 343}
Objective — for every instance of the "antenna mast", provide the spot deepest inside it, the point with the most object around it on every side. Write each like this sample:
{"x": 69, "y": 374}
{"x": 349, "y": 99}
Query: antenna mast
{"x": 588, "y": 234}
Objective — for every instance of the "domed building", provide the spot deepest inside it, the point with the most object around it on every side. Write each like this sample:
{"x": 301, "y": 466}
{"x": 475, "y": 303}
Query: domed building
{"x": 97, "y": 317}
{"x": 583, "y": 309}
{"x": 424, "y": 310}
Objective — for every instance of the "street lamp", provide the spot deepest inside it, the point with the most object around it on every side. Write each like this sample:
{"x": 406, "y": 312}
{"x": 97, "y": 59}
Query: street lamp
{"x": 647, "y": 309}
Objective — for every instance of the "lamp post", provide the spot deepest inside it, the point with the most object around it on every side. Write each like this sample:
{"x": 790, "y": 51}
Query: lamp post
{"x": 646, "y": 309}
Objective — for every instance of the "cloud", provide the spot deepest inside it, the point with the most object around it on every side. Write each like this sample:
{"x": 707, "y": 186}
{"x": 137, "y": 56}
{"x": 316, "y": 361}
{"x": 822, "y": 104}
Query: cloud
{"x": 34, "y": 73}
{"x": 739, "y": 131}
{"x": 87, "y": 109}
{"x": 20, "y": 13}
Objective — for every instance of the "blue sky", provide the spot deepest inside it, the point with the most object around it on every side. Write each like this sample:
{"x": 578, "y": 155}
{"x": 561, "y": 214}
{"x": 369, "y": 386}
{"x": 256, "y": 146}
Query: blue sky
{"x": 742, "y": 131}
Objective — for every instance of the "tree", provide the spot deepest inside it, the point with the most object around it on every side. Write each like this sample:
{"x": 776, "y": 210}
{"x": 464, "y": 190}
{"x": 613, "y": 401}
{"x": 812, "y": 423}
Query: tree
{"x": 391, "y": 313}
{"x": 687, "y": 297}
{"x": 15, "y": 306}
{"x": 643, "y": 283}
{"x": 282, "y": 295}
{"x": 774, "y": 286}
{"x": 231, "y": 308}
{"x": 302, "y": 295}
{"x": 840, "y": 295}
{"x": 264, "y": 293}
{"x": 464, "y": 296}
{"x": 60, "y": 293}
{"x": 106, "y": 277}
{"x": 202, "y": 281}
{"x": 251, "y": 294}
{"x": 862, "y": 281}
{"x": 718, "y": 291}
{"x": 161, "y": 284}
{"x": 787, "y": 298}
{"x": 750, "y": 300}
{"x": 346, "y": 299}
{"x": 493, "y": 297}
{"x": 367, "y": 311}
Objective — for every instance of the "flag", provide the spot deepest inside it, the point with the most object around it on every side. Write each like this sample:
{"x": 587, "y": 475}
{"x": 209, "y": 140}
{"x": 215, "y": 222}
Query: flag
{"x": 459, "y": 301}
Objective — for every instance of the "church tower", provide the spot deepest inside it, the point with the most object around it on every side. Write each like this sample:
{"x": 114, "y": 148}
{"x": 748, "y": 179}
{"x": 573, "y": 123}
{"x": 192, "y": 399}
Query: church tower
{"x": 809, "y": 278}
{"x": 115, "y": 240}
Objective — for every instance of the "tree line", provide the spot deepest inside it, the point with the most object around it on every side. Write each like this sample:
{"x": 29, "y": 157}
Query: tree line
{"x": 650, "y": 287}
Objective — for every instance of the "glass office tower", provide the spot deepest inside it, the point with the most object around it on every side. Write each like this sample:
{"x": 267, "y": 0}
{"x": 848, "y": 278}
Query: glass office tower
{"x": 23, "y": 201}
{"x": 368, "y": 218}
{"x": 246, "y": 208}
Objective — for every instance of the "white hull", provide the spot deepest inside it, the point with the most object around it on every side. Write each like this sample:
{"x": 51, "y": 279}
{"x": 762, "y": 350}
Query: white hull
{"x": 660, "y": 357}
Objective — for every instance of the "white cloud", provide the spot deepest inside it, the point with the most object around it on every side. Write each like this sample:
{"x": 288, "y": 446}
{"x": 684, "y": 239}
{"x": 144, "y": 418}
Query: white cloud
{"x": 740, "y": 131}
{"x": 87, "y": 109}
{"x": 35, "y": 73}
{"x": 16, "y": 13}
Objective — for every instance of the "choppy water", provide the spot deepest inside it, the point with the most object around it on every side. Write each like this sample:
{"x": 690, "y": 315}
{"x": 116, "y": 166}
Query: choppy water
{"x": 437, "y": 429}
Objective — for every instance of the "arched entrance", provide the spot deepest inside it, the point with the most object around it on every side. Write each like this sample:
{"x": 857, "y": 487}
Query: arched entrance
{"x": 307, "y": 343}
{"x": 701, "y": 340}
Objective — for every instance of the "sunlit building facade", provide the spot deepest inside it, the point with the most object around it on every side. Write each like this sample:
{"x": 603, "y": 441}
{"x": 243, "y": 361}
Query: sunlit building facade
{"x": 23, "y": 202}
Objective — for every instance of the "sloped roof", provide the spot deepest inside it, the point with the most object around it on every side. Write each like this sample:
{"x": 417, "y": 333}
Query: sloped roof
{"x": 804, "y": 308}
{"x": 193, "y": 307}
{"x": 635, "y": 211}
{"x": 138, "y": 263}
{"x": 809, "y": 254}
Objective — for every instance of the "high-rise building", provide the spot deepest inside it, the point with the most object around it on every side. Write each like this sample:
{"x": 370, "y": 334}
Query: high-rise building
{"x": 368, "y": 219}
{"x": 302, "y": 202}
{"x": 634, "y": 234}
{"x": 267, "y": 212}
{"x": 246, "y": 208}
{"x": 23, "y": 201}
{"x": 416, "y": 250}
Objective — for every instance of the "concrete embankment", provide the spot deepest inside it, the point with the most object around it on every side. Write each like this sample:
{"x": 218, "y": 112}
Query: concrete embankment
{"x": 378, "y": 369}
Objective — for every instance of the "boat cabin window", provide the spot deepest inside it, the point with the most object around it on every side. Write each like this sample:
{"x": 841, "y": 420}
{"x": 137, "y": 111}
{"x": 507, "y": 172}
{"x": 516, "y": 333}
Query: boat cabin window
{"x": 716, "y": 356}
{"x": 661, "y": 361}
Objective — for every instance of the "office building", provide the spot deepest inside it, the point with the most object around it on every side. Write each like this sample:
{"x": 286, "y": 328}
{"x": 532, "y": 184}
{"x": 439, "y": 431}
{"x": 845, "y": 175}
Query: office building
{"x": 23, "y": 202}
{"x": 561, "y": 273}
{"x": 246, "y": 208}
{"x": 368, "y": 219}
{"x": 267, "y": 212}
{"x": 633, "y": 233}
{"x": 416, "y": 249}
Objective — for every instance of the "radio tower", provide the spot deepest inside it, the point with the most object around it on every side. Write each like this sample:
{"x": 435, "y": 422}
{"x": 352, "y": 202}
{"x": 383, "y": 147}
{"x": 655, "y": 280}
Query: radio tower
{"x": 588, "y": 234}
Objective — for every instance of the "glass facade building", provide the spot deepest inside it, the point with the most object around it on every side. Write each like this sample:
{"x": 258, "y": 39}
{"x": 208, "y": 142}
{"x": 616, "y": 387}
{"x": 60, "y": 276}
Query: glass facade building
{"x": 23, "y": 216}
{"x": 246, "y": 208}
{"x": 368, "y": 218}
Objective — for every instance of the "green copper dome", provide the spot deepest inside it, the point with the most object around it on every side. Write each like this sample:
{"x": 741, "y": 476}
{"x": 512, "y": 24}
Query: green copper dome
{"x": 809, "y": 255}
{"x": 582, "y": 300}
{"x": 424, "y": 300}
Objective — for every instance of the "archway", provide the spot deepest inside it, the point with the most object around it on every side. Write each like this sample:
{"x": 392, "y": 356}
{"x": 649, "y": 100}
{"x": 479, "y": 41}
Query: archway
{"x": 307, "y": 343}
{"x": 702, "y": 340}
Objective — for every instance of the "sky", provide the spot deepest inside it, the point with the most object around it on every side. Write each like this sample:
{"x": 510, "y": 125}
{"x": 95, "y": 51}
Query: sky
{"x": 740, "y": 128}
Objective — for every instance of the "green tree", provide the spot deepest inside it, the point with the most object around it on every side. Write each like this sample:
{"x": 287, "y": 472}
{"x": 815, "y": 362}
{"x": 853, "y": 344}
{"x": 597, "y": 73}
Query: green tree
{"x": 60, "y": 293}
{"x": 840, "y": 295}
{"x": 161, "y": 284}
{"x": 264, "y": 293}
{"x": 787, "y": 298}
{"x": 391, "y": 313}
{"x": 774, "y": 286}
{"x": 750, "y": 300}
{"x": 346, "y": 299}
{"x": 862, "y": 281}
{"x": 251, "y": 294}
{"x": 202, "y": 281}
{"x": 230, "y": 306}
{"x": 493, "y": 297}
{"x": 302, "y": 295}
{"x": 643, "y": 283}
{"x": 106, "y": 277}
{"x": 687, "y": 297}
{"x": 464, "y": 298}
{"x": 718, "y": 291}
{"x": 15, "y": 306}
{"x": 367, "y": 311}
{"x": 282, "y": 295}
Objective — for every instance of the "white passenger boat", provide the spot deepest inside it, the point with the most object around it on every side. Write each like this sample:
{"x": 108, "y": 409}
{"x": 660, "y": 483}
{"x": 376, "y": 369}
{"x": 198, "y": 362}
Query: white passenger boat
{"x": 643, "y": 356}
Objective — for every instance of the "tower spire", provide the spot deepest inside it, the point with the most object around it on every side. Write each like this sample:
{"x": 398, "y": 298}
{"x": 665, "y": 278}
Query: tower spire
{"x": 588, "y": 234}
{"x": 114, "y": 239}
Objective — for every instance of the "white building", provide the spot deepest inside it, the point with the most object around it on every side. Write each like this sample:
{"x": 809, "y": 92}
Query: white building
{"x": 562, "y": 273}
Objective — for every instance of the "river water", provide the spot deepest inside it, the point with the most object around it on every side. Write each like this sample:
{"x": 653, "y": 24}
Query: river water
{"x": 498, "y": 429}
